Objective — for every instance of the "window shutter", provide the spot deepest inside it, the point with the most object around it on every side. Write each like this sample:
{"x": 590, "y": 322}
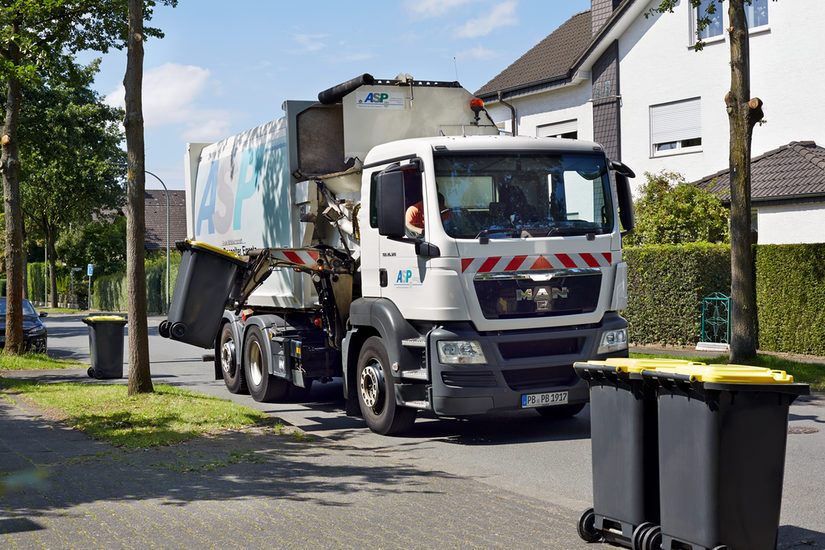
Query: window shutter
{"x": 675, "y": 121}
{"x": 557, "y": 128}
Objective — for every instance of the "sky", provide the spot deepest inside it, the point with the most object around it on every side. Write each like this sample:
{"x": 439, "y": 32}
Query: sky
{"x": 224, "y": 67}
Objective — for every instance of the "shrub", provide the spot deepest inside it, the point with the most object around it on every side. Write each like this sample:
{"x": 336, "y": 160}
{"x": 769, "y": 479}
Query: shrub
{"x": 666, "y": 284}
{"x": 790, "y": 296}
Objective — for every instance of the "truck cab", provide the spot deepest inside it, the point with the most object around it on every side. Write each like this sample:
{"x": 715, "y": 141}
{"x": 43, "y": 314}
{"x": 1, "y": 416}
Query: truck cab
{"x": 517, "y": 275}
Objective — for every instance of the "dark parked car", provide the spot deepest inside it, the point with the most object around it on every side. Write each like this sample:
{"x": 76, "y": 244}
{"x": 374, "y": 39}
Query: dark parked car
{"x": 34, "y": 331}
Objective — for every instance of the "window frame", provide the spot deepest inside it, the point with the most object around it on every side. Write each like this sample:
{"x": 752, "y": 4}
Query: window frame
{"x": 723, "y": 13}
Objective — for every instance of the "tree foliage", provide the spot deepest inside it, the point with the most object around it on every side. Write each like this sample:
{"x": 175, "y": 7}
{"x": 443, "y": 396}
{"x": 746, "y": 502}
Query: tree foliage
{"x": 70, "y": 143}
{"x": 102, "y": 243}
{"x": 669, "y": 211}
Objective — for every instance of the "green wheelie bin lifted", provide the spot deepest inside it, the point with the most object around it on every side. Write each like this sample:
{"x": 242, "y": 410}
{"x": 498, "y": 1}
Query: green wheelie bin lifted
{"x": 205, "y": 281}
{"x": 623, "y": 434}
{"x": 722, "y": 435}
{"x": 106, "y": 346}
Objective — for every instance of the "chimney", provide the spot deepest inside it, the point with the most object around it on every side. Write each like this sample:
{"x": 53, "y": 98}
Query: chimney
{"x": 600, "y": 12}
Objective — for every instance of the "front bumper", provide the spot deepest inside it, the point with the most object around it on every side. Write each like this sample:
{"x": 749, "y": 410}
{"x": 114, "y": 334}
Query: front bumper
{"x": 518, "y": 363}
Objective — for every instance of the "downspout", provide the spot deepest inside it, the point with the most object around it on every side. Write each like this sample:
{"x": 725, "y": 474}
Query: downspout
{"x": 512, "y": 113}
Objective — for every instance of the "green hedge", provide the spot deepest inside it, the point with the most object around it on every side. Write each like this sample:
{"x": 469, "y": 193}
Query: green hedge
{"x": 110, "y": 290}
{"x": 790, "y": 297}
{"x": 666, "y": 284}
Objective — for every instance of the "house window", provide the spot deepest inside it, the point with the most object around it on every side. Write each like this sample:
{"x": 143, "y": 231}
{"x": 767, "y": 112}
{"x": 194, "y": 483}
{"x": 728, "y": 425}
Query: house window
{"x": 757, "y": 13}
{"x": 713, "y": 29}
{"x": 676, "y": 127}
{"x": 566, "y": 129}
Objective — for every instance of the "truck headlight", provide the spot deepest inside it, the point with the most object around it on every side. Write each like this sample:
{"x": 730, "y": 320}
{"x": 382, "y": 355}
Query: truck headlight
{"x": 461, "y": 352}
{"x": 613, "y": 340}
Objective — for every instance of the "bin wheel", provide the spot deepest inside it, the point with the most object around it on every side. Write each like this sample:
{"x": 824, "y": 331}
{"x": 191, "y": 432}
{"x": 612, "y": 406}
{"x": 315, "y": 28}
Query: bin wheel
{"x": 262, "y": 385}
{"x": 227, "y": 359}
{"x": 376, "y": 391}
{"x": 91, "y": 372}
{"x": 178, "y": 330}
{"x": 652, "y": 539}
{"x": 163, "y": 328}
{"x": 638, "y": 533}
{"x": 587, "y": 527}
{"x": 559, "y": 412}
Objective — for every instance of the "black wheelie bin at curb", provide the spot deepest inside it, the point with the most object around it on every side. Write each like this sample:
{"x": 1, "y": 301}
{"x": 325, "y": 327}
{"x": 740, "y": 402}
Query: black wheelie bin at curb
{"x": 106, "y": 346}
{"x": 722, "y": 435}
{"x": 205, "y": 280}
{"x": 623, "y": 434}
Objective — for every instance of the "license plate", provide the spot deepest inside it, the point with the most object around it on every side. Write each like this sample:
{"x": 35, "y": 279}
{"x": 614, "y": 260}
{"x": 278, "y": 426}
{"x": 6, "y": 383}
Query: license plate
{"x": 547, "y": 399}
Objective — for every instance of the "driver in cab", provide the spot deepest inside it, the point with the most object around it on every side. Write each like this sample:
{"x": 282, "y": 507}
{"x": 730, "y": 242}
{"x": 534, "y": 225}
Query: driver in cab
{"x": 414, "y": 217}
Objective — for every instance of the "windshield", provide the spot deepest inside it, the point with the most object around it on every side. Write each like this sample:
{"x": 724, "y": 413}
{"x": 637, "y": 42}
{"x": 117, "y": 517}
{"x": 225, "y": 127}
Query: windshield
{"x": 524, "y": 194}
{"x": 28, "y": 308}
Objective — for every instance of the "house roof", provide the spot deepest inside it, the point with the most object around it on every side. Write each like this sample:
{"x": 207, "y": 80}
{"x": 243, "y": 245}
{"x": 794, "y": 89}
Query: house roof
{"x": 156, "y": 218}
{"x": 569, "y": 48}
{"x": 549, "y": 60}
{"x": 793, "y": 171}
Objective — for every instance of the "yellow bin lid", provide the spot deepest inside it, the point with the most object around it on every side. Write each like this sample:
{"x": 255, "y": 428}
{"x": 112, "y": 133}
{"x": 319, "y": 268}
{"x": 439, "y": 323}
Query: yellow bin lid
{"x": 215, "y": 249}
{"x": 727, "y": 374}
{"x": 105, "y": 318}
{"x": 635, "y": 366}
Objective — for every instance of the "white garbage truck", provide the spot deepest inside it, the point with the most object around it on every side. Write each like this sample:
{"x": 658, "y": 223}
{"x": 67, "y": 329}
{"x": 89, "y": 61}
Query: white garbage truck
{"x": 391, "y": 235}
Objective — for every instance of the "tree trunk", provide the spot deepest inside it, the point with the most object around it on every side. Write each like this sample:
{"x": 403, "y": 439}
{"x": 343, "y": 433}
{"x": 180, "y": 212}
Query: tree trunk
{"x": 51, "y": 235}
{"x": 140, "y": 380}
{"x": 743, "y": 114}
{"x": 10, "y": 166}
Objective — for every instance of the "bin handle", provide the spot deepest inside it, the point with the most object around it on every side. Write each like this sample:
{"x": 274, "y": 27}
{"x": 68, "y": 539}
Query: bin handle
{"x": 587, "y": 371}
{"x": 669, "y": 376}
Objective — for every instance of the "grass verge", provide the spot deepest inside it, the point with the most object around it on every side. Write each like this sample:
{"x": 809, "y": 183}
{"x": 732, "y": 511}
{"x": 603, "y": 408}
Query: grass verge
{"x": 35, "y": 361}
{"x": 807, "y": 373}
{"x": 104, "y": 411}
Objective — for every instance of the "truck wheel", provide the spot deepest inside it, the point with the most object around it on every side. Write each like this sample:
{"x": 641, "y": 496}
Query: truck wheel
{"x": 376, "y": 393}
{"x": 559, "y": 412}
{"x": 262, "y": 385}
{"x": 227, "y": 360}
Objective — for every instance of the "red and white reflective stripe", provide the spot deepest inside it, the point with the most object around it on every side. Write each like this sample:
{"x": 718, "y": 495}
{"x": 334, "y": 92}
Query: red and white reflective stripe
{"x": 302, "y": 257}
{"x": 535, "y": 262}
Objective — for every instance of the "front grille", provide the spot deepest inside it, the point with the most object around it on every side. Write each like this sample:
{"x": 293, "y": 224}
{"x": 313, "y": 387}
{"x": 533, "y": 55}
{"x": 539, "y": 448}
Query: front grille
{"x": 524, "y": 379}
{"x": 540, "y": 348}
{"x": 541, "y": 294}
{"x": 470, "y": 379}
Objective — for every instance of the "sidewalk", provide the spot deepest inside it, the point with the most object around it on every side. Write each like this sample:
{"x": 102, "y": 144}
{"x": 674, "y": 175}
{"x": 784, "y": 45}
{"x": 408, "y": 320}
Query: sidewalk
{"x": 249, "y": 489}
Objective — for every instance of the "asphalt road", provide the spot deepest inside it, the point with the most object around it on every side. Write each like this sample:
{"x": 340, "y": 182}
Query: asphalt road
{"x": 520, "y": 452}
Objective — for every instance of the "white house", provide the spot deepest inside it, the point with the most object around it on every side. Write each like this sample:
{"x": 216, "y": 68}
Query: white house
{"x": 630, "y": 80}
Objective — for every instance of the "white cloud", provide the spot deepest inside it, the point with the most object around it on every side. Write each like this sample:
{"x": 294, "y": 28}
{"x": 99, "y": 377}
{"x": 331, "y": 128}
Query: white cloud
{"x": 170, "y": 97}
{"x": 502, "y": 15}
{"x": 210, "y": 128}
{"x": 479, "y": 52}
{"x": 310, "y": 42}
{"x": 433, "y": 8}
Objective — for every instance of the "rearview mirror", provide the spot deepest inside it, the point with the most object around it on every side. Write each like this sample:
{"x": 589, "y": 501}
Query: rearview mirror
{"x": 390, "y": 202}
{"x": 625, "y": 199}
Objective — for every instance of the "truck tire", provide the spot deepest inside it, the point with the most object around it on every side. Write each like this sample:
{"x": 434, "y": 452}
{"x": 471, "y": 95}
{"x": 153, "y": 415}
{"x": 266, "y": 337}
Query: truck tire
{"x": 559, "y": 412}
{"x": 376, "y": 391}
{"x": 262, "y": 385}
{"x": 227, "y": 359}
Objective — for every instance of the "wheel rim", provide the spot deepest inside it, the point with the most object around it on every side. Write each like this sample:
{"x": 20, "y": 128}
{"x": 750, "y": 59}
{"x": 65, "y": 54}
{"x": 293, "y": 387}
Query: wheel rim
{"x": 372, "y": 386}
{"x": 228, "y": 357}
{"x": 256, "y": 372}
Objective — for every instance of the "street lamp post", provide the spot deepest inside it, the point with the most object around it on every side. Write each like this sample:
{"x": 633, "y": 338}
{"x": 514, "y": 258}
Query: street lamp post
{"x": 166, "y": 191}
